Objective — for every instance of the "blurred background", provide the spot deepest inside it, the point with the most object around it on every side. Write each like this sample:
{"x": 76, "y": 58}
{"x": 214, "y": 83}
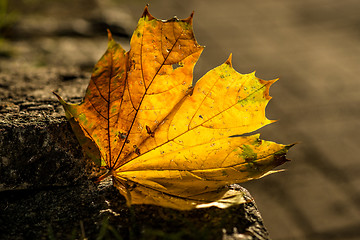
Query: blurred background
{"x": 312, "y": 46}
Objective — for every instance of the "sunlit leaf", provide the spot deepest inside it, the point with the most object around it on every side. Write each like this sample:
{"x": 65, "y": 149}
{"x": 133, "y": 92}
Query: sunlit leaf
{"x": 163, "y": 141}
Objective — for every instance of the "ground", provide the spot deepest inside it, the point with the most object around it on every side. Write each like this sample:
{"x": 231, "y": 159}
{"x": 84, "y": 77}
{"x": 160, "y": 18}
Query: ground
{"x": 312, "y": 46}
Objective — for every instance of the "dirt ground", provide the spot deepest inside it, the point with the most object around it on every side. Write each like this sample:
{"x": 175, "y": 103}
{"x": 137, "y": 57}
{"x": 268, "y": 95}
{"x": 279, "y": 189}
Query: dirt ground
{"x": 312, "y": 46}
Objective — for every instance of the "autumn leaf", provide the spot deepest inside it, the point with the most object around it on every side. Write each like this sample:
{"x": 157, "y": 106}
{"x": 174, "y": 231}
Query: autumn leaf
{"x": 163, "y": 141}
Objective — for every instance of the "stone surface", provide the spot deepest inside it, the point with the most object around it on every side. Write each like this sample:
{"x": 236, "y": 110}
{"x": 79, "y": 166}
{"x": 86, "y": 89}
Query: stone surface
{"x": 85, "y": 210}
{"x": 38, "y": 148}
{"x": 46, "y": 190}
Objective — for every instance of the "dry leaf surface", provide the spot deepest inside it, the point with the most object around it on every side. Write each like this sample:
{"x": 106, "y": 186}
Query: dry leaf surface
{"x": 163, "y": 141}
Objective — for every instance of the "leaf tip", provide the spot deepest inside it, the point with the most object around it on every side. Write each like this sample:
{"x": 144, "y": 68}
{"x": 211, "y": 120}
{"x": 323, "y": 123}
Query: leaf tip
{"x": 229, "y": 60}
{"x": 287, "y": 147}
{"x": 267, "y": 85}
{"x": 57, "y": 95}
{"x": 273, "y": 81}
{"x": 59, "y": 98}
{"x": 110, "y": 38}
{"x": 147, "y": 14}
{"x": 290, "y": 145}
{"x": 189, "y": 20}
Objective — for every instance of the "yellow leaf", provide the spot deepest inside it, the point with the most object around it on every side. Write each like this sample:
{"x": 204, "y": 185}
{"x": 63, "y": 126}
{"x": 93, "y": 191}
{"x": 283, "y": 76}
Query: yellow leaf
{"x": 163, "y": 141}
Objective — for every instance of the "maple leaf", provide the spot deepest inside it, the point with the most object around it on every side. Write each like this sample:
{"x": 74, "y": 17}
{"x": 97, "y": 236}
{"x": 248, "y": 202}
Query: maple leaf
{"x": 163, "y": 141}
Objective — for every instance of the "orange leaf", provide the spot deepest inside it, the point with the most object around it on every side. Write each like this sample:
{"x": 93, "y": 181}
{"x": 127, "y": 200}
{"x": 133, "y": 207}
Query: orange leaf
{"x": 163, "y": 141}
